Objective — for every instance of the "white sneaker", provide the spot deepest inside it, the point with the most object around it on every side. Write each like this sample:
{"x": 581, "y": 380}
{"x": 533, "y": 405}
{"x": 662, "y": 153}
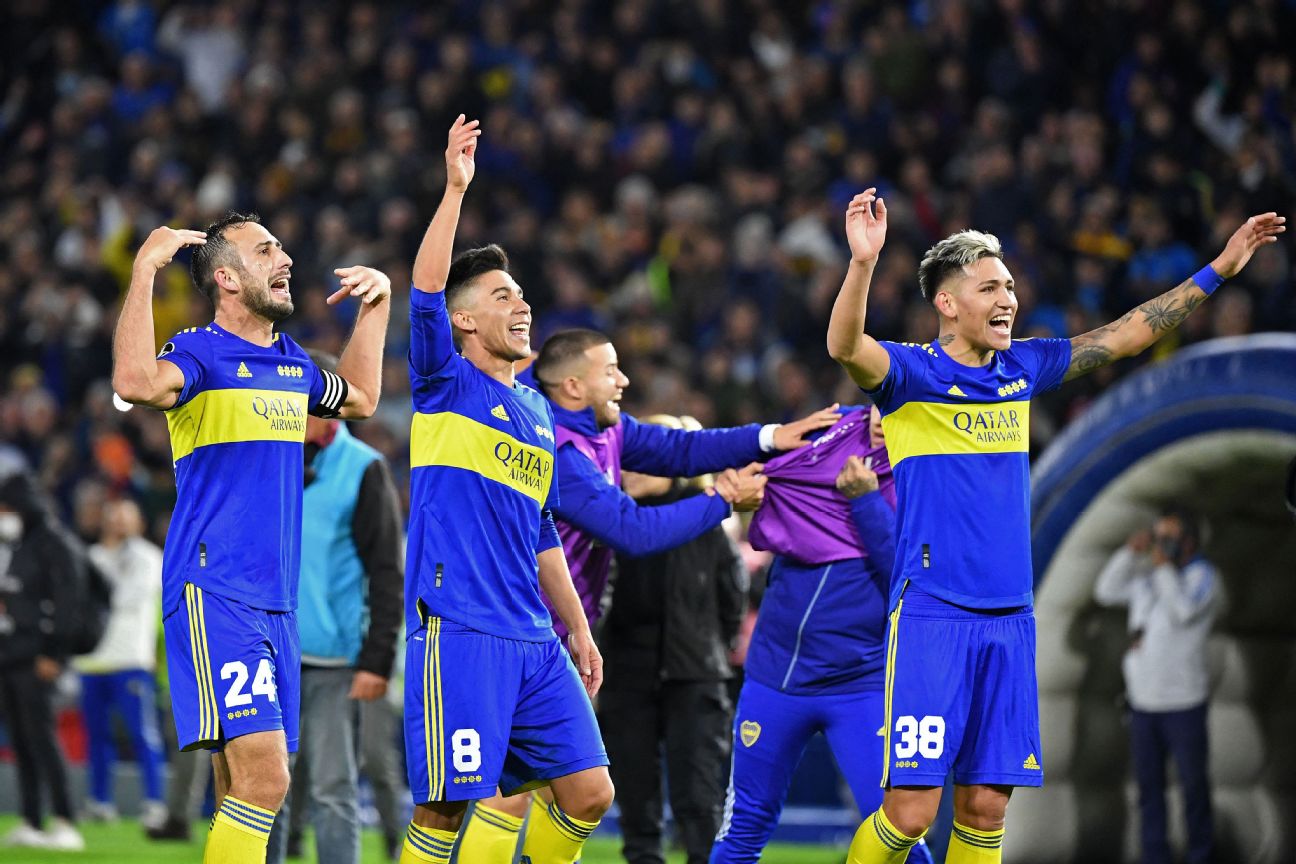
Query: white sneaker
{"x": 23, "y": 834}
{"x": 153, "y": 814}
{"x": 97, "y": 811}
{"x": 64, "y": 836}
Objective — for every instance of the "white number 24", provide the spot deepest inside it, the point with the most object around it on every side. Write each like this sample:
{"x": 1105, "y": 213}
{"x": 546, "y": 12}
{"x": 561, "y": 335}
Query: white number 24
{"x": 262, "y": 685}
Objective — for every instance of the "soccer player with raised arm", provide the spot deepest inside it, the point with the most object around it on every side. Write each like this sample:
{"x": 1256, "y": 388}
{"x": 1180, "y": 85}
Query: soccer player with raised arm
{"x": 491, "y": 696}
{"x": 960, "y": 691}
{"x": 236, "y": 395}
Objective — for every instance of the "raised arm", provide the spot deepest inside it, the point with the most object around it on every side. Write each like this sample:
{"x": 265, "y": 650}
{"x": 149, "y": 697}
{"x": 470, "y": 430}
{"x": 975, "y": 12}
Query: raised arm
{"x": 1139, "y": 328}
{"x": 361, "y": 360}
{"x": 858, "y": 353}
{"x": 432, "y": 265}
{"x": 138, "y": 376}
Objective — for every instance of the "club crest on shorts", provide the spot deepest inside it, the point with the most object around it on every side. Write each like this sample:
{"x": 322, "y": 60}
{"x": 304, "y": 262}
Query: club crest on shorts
{"x": 749, "y": 731}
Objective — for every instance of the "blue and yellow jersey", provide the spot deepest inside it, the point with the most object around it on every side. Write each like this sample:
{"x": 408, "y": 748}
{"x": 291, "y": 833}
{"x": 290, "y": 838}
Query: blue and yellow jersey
{"x": 959, "y": 437}
{"x": 481, "y": 489}
{"x": 236, "y": 440}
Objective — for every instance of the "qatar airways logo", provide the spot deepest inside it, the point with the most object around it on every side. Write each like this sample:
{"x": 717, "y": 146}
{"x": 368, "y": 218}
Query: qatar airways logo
{"x": 991, "y": 426}
{"x": 282, "y": 414}
{"x": 528, "y": 467}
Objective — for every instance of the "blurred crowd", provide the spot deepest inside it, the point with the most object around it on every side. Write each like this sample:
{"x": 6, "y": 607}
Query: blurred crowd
{"x": 671, "y": 171}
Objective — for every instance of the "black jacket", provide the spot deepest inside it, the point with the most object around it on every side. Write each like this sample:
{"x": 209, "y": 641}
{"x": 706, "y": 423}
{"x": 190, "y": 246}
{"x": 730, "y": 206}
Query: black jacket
{"x": 675, "y": 615}
{"x": 38, "y": 575}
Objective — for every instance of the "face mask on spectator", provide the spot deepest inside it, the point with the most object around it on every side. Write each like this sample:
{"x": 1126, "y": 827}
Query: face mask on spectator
{"x": 11, "y": 526}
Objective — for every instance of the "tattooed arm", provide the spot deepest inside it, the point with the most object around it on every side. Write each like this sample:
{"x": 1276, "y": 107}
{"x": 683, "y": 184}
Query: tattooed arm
{"x": 1139, "y": 328}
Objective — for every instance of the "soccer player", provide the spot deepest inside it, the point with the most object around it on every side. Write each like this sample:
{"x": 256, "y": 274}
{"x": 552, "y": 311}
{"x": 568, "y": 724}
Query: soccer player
{"x": 236, "y": 396}
{"x": 578, "y": 373}
{"x": 816, "y": 659}
{"x": 960, "y": 691}
{"x": 491, "y": 697}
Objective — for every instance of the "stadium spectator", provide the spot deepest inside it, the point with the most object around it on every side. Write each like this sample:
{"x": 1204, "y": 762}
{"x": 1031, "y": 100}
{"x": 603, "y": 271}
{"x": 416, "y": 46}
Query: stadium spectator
{"x": 43, "y": 571}
{"x": 1173, "y": 597}
{"x": 665, "y": 649}
{"x": 645, "y": 241}
{"x": 117, "y": 678}
{"x": 348, "y": 617}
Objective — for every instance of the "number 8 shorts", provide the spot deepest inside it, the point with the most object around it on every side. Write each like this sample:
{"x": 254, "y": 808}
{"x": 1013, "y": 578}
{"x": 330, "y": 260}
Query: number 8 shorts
{"x": 483, "y": 711}
{"x": 961, "y": 695}
{"x": 232, "y": 670}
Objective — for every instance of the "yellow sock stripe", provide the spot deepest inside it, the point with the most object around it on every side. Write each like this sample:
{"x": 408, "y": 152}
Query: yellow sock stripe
{"x": 238, "y": 823}
{"x": 438, "y": 840}
{"x": 429, "y": 844}
{"x": 978, "y": 838}
{"x": 889, "y": 834}
{"x": 498, "y": 819}
{"x": 251, "y": 812}
{"x": 440, "y": 712}
{"x": 889, "y": 686}
{"x": 213, "y": 710}
{"x": 573, "y": 829}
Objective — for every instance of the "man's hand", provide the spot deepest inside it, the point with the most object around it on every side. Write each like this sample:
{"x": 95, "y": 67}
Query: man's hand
{"x": 1254, "y": 233}
{"x": 367, "y": 687}
{"x": 47, "y": 669}
{"x": 790, "y": 436}
{"x": 588, "y": 660}
{"x": 162, "y": 245}
{"x": 857, "y": 478}
{"x": 370, "y": 285}
{"x": 743, "y": 489}
{"x": 461, "y": 152}
{"x": 1140, "y": 541}
{"x": 866, "y": 224}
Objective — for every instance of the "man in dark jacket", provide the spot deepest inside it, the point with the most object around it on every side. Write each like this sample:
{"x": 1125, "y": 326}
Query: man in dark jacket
{"x": 665, "y": 644}
{"x": 41, "y": 566}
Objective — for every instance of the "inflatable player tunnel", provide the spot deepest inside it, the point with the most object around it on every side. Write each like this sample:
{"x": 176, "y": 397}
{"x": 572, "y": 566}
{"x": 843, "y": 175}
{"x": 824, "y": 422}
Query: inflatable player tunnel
{"x": 1213, "y": 429}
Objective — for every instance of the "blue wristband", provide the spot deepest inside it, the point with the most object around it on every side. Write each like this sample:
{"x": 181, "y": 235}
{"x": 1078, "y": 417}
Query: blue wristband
{"x": 1207, "y": 279}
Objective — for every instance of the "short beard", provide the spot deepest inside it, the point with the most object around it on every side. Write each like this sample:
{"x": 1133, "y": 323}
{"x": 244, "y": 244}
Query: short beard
{"x": 260, "y": 304}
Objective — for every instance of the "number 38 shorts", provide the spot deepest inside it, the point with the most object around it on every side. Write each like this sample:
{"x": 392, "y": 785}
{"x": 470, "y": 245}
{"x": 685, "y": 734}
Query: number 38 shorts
{"x": 232, "y": 669}
{"x": 483, "y": 711}
{"x": 961, "y": 695}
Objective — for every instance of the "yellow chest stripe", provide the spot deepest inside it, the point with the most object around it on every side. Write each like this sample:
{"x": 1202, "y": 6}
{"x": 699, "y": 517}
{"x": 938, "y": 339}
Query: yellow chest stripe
{"x": 452, "y": 440}
{"x": 230, "y": 416}
{"x": 937, "y": 428}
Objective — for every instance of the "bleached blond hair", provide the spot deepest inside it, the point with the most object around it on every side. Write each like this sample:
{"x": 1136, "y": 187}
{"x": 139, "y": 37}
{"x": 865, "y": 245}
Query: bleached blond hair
{"x": 951, "y": 255}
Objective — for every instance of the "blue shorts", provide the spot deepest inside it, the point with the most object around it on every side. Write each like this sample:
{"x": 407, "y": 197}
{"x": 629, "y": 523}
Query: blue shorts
{"x": 961, "y": 695}
{"x": 232, "y": 670}
{"x": 482, "y": 711}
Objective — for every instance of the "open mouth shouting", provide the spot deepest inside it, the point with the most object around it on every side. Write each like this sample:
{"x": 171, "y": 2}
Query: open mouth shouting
{"x": 1001, "y": 325}
{"x": 279, "y": 287}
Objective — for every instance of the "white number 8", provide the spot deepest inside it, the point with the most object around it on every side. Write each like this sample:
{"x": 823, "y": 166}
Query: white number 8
{"x": 926, "y": 736}
{"x": 466, "y": 744}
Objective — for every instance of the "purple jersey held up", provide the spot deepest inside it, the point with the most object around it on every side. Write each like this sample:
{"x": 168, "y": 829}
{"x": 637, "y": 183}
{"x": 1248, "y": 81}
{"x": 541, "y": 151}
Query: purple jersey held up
{"x": 803, "y": 515}
{"x": 589, "y": 560}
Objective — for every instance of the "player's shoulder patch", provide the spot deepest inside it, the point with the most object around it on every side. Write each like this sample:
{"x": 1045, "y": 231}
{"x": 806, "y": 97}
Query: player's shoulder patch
{"x": 187, "y": 339}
